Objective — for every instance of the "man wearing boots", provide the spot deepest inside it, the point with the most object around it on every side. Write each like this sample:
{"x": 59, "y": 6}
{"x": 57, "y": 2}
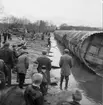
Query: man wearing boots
{"x": 65, "y": 63}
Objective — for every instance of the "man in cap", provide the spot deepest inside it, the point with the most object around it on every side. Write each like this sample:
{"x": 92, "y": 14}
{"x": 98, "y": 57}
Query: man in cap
{"x": 32, "y": 94}
{"x": 65, "y": 63}
{"x": 6, "y": 54}
{"x": 44, "y": 61}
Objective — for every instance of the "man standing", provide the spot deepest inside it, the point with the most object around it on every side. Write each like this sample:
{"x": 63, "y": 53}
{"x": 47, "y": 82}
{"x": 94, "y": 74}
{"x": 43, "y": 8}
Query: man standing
{"x": 6, "y": 54}
{"x": 44, "y": 61}
{"x": 65, "y": 63}
{"x": 22, "y": 66}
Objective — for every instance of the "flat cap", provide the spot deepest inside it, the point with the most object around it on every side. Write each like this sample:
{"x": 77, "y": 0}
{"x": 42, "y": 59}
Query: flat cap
{"x": 44, "y": 52}
{"x": 66, "y": 50}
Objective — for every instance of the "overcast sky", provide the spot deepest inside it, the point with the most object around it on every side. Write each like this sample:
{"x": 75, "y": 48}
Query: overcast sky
{"x": 72, "y": 12}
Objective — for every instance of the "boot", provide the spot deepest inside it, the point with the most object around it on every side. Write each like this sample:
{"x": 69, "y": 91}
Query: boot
{"x": 60, "y": 87}
{"x": 61, "y": 81}
{"x": 66, "y": 84}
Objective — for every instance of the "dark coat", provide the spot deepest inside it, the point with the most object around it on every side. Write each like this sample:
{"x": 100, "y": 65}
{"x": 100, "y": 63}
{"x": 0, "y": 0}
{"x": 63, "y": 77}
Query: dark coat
{"x": 43, "y": 60}
{"x": 6, "y": 54}
{"x": 33, "y": 95}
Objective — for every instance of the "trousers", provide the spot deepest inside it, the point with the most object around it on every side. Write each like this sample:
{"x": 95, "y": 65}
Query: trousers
{"x": 66, "y": 80}
{"x": 21, "y": 79}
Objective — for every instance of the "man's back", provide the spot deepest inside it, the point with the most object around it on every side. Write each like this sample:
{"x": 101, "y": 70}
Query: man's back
{"x": 43, "y": 60}
{"x": 65, "y": 64}
{"x": 6, "y": 55}
{"x": 23, "y": 63}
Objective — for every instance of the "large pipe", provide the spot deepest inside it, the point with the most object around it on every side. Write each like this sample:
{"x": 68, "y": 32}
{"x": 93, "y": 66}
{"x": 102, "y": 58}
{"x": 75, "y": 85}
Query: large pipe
{"x": 86, "y": 45}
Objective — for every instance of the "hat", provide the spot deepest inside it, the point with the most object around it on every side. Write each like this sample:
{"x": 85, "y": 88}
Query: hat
{"x": 77, "y": 96}
{"x": 37, "y": 78}
{"x": 44, "y": 52}
{"x": 66, "y": 51}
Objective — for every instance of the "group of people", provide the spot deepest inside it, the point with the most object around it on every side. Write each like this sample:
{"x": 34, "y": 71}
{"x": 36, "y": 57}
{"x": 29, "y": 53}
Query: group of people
{"x": 10, "y": 59}
{"x": 34, "y": 93}
{"x": 6, "y": 35}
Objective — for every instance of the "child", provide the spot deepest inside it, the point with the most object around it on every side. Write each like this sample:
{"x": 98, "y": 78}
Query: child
{"x": 32, "y": 94}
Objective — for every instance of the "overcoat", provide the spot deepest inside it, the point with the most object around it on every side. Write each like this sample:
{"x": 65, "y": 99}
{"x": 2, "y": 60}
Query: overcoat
{"x": 65, "y": 63}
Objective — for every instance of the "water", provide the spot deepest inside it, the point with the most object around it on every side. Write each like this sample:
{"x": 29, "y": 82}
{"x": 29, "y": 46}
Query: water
{"x": 81, "y": 77}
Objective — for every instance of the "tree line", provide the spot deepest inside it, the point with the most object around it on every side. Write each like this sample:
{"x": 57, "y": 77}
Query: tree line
{"x": 85, "y": 28}
{"x": 16, "y": 23}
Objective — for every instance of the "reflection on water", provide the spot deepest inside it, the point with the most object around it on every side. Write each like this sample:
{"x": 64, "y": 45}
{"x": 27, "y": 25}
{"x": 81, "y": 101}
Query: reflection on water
{"x": 88, "y": 82}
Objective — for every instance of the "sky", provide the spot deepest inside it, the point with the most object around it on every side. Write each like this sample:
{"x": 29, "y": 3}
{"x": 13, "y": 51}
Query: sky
{"x": 72, "y": 12}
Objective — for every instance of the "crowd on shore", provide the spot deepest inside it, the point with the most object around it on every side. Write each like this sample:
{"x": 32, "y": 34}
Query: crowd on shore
{"x": 17, "y": 60}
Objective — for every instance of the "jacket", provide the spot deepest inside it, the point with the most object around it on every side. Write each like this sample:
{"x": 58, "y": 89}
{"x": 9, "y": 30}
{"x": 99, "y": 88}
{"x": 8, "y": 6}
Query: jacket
{"x": 6, "y": 54}
{"x": 33, "y": 96}
{"x": 65, "y": 63}
{"x": 43, "y": 60}
{"x": 22, "y": 64}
